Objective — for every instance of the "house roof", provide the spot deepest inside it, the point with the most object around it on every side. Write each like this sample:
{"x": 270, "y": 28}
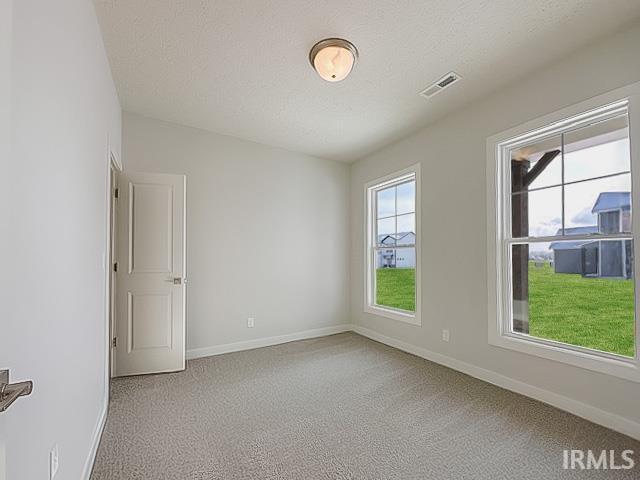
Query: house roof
{"x": 578, "y": 230}
{"x": 557, "y": 246}
{"x": 573, "y": 231}
{"x": 612, "y": 201}
{"x": 606, "y": 201}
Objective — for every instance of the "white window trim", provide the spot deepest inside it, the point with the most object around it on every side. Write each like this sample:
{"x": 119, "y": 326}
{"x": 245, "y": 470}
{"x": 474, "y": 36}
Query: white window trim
{"x": 497, "y": 265}
{"x": 370, "y": 307}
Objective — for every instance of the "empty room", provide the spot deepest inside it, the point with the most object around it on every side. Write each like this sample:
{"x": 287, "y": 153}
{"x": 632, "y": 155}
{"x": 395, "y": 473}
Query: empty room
{"x": 295, "y": 239}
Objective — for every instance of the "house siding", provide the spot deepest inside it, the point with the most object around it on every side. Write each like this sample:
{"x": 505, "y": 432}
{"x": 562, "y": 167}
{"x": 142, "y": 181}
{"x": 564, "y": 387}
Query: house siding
{"x": 568, "y": 261}
{"x": 611, "y": 259}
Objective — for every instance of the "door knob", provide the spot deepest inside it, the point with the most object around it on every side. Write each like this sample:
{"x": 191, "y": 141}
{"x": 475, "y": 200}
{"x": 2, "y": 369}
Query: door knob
{"x": 10, "y": 392}
{"x": 177, "y": 280}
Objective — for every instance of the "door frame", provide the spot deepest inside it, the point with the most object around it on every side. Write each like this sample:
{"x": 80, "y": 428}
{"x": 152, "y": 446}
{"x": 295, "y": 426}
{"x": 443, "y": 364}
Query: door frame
{"x": 114, "y": 167}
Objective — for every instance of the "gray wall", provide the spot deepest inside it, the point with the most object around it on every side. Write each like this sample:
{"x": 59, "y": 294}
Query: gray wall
{"x": 454, "y": 242}
{"x": 65, "y": 115}
{"x": 265, "y": 231}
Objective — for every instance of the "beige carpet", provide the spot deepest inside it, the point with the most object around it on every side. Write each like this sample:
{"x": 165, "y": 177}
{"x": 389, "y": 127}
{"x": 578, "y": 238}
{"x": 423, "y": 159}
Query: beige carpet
{"x": 338, "y": 407}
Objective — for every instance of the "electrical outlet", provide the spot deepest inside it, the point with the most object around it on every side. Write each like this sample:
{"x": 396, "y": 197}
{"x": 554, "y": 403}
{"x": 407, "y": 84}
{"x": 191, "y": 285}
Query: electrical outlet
{"x": 445, "y": 335}
{"x": 251, "y": 322}
{"x": 53, "y": 462}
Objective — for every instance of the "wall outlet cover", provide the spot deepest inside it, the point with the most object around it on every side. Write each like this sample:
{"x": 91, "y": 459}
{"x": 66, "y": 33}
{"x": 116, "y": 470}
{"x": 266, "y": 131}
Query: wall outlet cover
{"x": 53, "y": 462}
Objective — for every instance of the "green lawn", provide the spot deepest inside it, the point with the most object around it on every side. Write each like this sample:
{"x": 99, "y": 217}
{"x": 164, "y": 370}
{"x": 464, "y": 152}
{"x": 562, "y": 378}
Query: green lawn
{"x": 396, "y": 287}
{"x": 589, "y": 312}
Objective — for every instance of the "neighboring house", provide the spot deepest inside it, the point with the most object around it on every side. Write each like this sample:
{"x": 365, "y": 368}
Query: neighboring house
{"x": 569, "y": 257}
{"x": 397, "y": 257}
{"x": 596, "y": 258}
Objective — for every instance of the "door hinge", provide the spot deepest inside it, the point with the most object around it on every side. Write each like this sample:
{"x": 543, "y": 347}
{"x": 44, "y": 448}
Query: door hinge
{"x": 115, "y": 266}
{"x": 116, "y": 193}
{"x": 114, "y": 342}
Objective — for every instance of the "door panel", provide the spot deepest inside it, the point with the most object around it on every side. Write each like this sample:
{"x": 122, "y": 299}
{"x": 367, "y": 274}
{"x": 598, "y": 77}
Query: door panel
{"x": 150, "y": 321}
{"x": 151, "y": 226}
{"x": 150, "y": 324}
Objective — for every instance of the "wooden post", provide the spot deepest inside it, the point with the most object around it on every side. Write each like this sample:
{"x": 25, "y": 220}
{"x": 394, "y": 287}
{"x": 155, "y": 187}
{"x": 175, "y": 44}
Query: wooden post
{"x": 520, "y": 253}
{"x": 521, "y": 178}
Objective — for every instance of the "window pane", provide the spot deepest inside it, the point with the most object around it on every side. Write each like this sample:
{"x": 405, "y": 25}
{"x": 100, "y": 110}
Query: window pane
{"x": 406, "y": 198}
{"x": 582, "y": 294}
{"x": 597, "y": 150}
{"x": 406, "y": 224}
{"x": 386, "y": 200}
{"x": 386, "y": 231}
{"x": 537, "y": 213}
{"x": 395, "y": 278}
{"x": 602, "y": 206}
{"x": 537, "y": 165}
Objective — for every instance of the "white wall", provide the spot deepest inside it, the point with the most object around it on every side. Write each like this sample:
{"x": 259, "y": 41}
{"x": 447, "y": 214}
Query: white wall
{"x": 453, "y": 156}
{"x": 5, "y": 152}
{"x": 267, "y": 231}
{"x": 53, "y": 237}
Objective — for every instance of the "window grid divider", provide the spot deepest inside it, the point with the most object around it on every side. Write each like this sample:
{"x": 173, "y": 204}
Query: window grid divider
{"x": 573, "y": 182}
{"x": 569, "y": 238}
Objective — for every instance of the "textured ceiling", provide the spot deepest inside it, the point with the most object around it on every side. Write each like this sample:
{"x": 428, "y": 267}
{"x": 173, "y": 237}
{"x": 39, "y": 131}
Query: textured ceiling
{"x": 240, "y": 67}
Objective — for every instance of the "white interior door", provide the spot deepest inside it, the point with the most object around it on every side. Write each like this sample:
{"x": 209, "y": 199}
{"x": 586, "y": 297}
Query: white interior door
{"x": 150, "y": 279}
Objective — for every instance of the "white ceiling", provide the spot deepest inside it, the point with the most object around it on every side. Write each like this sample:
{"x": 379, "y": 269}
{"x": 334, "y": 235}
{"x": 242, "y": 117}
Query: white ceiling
{"x": 240, "y": 67}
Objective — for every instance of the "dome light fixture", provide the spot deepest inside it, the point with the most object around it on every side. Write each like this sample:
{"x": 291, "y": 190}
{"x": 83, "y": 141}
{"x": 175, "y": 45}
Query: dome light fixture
{"x": 333, "y": 58}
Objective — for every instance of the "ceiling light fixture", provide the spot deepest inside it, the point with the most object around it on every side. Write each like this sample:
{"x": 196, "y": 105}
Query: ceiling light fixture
{"x": 333, "y": 58}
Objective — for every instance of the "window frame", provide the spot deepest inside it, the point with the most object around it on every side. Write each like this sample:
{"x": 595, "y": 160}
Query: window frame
{"x": 370, "y": 189}
{"x": 499, "y": 221}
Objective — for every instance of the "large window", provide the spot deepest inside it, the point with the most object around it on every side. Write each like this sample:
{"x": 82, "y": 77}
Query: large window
{"x": 564, "y": 233}
{"x": 392, "y": 246}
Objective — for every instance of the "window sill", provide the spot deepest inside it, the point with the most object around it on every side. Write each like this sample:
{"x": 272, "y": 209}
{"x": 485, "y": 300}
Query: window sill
{"x": 609, "y": 364}
{"x": 412, "y": 319}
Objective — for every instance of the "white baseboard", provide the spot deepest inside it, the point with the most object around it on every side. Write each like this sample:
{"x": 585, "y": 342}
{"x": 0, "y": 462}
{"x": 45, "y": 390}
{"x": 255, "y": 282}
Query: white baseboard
{"x": 588, "y": 412}
{"x": 266, "y": 342}
{"x": 95, "y": 442}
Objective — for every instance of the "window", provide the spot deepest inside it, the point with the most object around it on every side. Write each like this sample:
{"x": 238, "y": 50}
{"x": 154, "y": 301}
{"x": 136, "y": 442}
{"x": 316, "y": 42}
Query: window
{"x": 393, "y": 247}
{"x": 563, "y": 238}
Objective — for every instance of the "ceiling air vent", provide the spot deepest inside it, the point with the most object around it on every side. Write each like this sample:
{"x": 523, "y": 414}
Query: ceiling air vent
{"x": 436, "y": 87}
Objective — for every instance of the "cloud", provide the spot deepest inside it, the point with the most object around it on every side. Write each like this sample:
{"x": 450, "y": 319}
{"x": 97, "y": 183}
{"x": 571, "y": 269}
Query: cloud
{"x": 546, "y": 228}
{"x": 584, "y": 217}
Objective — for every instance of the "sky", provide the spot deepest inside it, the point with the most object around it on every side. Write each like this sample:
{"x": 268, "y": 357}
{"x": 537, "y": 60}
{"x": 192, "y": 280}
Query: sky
{"x": 403, "y": 213}
{"x": 545, "y": 206}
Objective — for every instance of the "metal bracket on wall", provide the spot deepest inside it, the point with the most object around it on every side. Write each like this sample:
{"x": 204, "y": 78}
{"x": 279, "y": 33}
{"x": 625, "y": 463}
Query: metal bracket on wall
{"x": 10, "y": 392}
